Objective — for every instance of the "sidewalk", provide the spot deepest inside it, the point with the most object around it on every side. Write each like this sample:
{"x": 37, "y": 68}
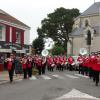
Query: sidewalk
{"x": 4, "y": 77}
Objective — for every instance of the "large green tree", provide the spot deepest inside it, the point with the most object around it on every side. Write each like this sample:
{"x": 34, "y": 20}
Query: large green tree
{"x": 38, "y": 45}
{"x": 58, "y": 50}
{"x": 58, "y": 25}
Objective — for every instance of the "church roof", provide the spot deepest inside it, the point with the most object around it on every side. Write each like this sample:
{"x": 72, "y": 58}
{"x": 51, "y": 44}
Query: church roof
{"x": 79, "y": 31}
{"x": 93, "y": 9}
{"x": 76, "y": 32}
{"x": 6, "y": 17}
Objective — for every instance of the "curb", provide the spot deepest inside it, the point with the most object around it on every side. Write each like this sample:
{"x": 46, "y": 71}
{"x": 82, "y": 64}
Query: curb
{"x": 6, "y": 81}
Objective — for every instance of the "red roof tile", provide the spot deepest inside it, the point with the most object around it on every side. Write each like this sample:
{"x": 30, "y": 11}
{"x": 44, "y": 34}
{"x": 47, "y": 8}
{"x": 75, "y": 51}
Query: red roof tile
{"x": 6, "y": 17}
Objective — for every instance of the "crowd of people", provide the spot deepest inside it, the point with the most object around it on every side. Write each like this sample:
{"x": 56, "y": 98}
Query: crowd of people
{"x": 25, "y": 64}
{"x": 88, "y": 65}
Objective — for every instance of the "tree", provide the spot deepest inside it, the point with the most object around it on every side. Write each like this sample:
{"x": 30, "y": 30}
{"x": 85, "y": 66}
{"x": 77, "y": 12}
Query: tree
{"x": 38, "y": 45}
{"x": 57, "y": 50}
{"x": 58, "y": 25}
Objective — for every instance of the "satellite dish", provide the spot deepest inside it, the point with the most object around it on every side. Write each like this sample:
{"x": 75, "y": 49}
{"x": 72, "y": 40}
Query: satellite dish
{"x": 44, "y": 52}
{"x": 83, "y": 51}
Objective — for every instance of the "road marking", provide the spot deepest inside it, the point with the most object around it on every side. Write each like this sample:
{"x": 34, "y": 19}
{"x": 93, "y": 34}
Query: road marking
{"x": 45, "y": 77}
{"x": 18, "y": 80}
{"x": 76, "y": 94}
{"x": 58, "y": 76}
{"x": 33, "y": 78}
{"x": 82, "y": 75}
{"x": 3, "y": 82}
{"x": 71, "y": 76}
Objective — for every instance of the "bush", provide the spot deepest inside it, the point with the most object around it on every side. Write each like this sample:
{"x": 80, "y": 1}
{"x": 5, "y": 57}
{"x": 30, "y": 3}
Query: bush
{"x": 58, "y": 50}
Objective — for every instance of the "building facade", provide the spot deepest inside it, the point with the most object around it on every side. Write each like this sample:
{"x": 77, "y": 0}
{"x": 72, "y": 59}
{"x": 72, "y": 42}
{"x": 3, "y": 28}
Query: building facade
{"x": 87, "y": 22}
{"x": 14, "y": 34}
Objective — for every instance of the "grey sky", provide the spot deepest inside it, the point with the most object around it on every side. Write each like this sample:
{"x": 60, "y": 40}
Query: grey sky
{"x": 31, "y": 12}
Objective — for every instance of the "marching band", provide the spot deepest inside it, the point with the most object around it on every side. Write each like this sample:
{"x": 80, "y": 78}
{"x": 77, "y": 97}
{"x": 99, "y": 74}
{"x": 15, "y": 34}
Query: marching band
{"x": 87, "y": 65}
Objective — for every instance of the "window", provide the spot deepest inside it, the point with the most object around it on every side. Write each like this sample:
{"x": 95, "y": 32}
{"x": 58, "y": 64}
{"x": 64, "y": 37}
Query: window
{"x": 86, "y": 23}
{"x": 0, "y": 32}
{"x": 18, "y": 37}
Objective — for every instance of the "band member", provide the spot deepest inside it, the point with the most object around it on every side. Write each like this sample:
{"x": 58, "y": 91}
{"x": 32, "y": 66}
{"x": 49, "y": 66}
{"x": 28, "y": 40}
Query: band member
{"x": 65, "y": 62}
{"x": 10, "y": 66}
{"x": 57, "y": 63}
{"x": 85, "y": 64}
{"x": 39, "y": 65}
{"x": 24, "y": 66}
{"x": 61, "y": 63}
{"x": 70, "y": 61}
{"x": 53, "y": 66}
{"x": 92, "y": 65}
{"x": 43, "y": 65}
{"x": 50, "y": 62}
{"x": 80, "y": 61}
{"x": 96, "y": 69}
{"x": 29, "y": 66}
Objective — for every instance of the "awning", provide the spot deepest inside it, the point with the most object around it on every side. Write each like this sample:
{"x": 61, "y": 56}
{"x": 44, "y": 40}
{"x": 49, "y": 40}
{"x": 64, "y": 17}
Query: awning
{"x": 20, "y": 51}
{"x": 6, "y": 50}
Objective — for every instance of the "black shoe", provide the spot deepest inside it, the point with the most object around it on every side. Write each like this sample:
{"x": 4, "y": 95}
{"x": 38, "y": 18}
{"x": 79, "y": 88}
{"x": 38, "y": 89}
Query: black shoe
{"x": 96, "y": 84}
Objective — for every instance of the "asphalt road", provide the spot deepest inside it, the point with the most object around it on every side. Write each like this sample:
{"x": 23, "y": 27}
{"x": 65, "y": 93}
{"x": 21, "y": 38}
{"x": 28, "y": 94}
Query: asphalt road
{"x": 52, "y": 86}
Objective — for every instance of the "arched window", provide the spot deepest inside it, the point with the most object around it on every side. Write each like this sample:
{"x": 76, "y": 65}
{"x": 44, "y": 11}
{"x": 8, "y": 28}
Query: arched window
{"x": 88, "y": 37}
{"x": 86, "y": 23}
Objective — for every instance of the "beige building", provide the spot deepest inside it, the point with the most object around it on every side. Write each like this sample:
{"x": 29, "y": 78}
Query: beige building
{"x": 88, "y": 21}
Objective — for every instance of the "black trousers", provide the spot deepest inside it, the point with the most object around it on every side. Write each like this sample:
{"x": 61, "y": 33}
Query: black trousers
{"x": 29, "y": 72}
{"x": 96, "y": 77}
{"x": 25, "y": 73}
{"x": 70, "y": 67}
{"x": 39, "y": 70}
{"x": 91, "y": 73}
{"x": 61, "y": 67}
{"x": 11, "y": 73}
{"x": 80, "y": 68}
{"x": 43, "y": 69}
{"x": 51, "y": 69}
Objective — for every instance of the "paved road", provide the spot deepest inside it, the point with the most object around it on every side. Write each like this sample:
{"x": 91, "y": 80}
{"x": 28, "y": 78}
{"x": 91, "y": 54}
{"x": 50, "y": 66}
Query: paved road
{"x": 52, "y": 86}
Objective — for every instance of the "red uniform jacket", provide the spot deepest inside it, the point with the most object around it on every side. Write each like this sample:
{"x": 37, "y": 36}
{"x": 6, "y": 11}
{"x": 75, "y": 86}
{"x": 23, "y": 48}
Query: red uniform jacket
{"x": 9, "y": 64}
{"x": 70, "y": 60}
{"x": 24, "y": 61}
{"x": 93, "y": 61}
{"x": 97, "y": 65}
{"x": 80, "y": 60}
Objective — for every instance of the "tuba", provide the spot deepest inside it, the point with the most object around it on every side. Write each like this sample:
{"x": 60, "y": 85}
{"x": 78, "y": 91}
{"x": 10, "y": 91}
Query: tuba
{"x": 83, "y": 51}
{"x": 44, "y": 52}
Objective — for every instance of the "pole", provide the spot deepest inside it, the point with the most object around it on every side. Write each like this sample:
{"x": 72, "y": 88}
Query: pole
{"x": 72, "y": 47}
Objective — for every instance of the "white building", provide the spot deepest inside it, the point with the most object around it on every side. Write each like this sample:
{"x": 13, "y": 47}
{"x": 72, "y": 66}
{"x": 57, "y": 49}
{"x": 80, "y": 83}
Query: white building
{"x": 88, "y": 21}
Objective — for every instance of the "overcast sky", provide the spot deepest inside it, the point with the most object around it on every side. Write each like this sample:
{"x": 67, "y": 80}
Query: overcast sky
{"x": 31, "y": 12}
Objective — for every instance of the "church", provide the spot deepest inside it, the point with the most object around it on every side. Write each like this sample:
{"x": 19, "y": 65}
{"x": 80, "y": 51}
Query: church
{"x": 86, "y": 22}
